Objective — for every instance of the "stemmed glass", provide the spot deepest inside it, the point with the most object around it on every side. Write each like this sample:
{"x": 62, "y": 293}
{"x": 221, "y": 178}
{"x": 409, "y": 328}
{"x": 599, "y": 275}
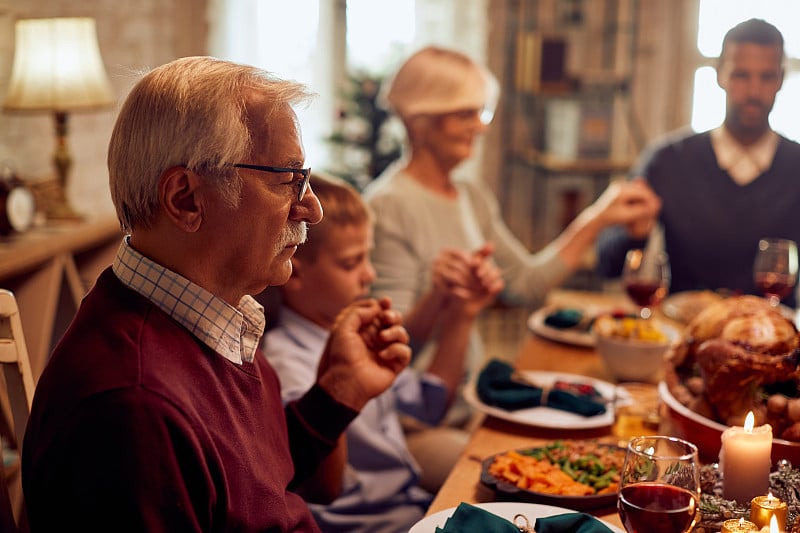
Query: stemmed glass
{"x": 775, "y": 268}
{"x": 646, "y": 279}
{"x": 659, "y": 485}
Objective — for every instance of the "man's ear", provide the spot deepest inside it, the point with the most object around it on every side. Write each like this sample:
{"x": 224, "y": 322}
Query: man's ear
{"x": 180, "y": 197}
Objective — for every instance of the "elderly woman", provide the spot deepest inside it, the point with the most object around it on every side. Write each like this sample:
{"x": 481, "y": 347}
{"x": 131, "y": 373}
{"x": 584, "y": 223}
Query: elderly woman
{"x": 445, "y": 100}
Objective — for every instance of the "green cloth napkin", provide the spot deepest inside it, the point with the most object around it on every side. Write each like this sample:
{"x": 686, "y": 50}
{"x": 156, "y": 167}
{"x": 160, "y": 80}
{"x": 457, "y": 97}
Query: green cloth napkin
{"x": 496, "y": 388}
{"x": 471, "y": 519}
{"x": 468, "y": 518}
{"x": 572, "y": 523}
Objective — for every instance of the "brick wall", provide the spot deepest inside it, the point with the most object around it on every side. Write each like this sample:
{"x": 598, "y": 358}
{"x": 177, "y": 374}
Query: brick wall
{"x": 133, "y": 35}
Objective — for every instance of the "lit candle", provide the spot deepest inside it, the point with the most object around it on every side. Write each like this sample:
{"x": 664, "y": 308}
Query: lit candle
{"x": 764, "y": 508}
{"x": 745, "y": 460}
{"x": 738, "y": 526}
{"x": 773, "y": 526}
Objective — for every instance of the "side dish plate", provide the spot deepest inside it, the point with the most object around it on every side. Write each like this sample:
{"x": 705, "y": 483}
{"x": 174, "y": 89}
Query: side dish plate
{"x": 507, "y": 491}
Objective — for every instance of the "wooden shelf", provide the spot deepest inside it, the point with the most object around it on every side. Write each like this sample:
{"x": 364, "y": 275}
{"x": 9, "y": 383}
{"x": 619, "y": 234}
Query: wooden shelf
{"x": 588, "y": 166}
{"x": 50, "y": 269}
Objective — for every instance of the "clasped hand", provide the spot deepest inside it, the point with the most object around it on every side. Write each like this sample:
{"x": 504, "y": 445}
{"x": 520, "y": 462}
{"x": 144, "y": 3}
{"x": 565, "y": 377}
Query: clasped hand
{"x": 367, "y": 348}
{"x": 632, "y": 204}
{"x": 470, "y": 278}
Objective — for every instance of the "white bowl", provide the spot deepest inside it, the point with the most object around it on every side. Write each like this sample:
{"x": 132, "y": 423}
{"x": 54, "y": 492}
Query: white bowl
{"x": 634, "y": 360}
{"x": 706, "y": 434}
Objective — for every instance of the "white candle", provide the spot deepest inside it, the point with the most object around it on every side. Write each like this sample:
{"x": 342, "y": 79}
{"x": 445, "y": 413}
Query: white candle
{"x": 745, "y": 460}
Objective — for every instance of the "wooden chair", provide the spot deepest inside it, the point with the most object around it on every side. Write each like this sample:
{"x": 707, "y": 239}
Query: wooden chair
{"x": 17, "y": 387}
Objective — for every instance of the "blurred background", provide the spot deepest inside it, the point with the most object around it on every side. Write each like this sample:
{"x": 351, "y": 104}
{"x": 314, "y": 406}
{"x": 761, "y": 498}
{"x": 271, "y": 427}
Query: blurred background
{"x": 585, "y": 83}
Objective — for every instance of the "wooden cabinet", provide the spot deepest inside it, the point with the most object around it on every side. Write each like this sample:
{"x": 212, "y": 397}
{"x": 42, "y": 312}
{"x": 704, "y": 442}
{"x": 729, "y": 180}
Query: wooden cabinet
{"x": 50, "y": 269}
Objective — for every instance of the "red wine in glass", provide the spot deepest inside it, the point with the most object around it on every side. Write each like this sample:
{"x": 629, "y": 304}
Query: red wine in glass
{"x": 646, "y": 293}
{"x": 646, "y": 278}
{"x": 775, "y": 268}
{"x": 659, "y": 485}
{"x": 656, "y": 508}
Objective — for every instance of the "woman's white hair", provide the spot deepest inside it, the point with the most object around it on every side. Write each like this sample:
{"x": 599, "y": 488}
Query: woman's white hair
{"x": 191, "y": 112}
{"x": 438, "y": 80}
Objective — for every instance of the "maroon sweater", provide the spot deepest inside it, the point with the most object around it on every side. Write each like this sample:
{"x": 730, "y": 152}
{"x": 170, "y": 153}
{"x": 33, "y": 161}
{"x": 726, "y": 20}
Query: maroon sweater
{"x": 138, "y": 426}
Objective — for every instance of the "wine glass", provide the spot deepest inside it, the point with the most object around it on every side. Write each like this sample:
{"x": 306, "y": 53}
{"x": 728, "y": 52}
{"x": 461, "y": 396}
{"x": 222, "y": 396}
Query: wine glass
{"x": 775, "y": 268}
{"x": 659, "y": 485}
{"x": 646, "y": 278}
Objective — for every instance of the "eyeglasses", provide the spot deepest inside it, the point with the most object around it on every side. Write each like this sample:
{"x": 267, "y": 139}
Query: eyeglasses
{"x": 300, "y": 182}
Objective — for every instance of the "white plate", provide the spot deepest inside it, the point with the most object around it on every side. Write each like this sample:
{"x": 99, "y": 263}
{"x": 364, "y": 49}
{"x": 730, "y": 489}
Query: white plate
{"x": 684, "y": 306}
{"x": 567, "y": 336}
{"x": 506, "y": 510}
{"x": 546, "y": 417}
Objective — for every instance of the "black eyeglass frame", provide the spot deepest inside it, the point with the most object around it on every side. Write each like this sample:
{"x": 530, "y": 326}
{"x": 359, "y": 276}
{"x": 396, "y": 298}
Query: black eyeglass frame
{"x": 302, "y": 183}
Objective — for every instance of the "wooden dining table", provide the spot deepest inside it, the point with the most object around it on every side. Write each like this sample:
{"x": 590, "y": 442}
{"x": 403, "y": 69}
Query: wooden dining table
{"x": 495, "y": 435}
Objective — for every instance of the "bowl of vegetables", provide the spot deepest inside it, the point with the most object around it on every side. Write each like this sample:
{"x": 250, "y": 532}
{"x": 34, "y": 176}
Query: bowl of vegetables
{"x": 633, "y": 348}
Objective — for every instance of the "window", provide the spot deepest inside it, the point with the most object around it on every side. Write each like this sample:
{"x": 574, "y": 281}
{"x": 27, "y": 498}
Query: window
{"x": 379, "y": 48}
{"x": 304, "y": 40}
{"x": 717, "y": 17}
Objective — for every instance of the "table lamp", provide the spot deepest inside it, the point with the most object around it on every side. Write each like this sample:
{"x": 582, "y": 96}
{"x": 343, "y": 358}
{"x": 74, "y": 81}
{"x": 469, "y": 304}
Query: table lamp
{"x": 58, "y": 68}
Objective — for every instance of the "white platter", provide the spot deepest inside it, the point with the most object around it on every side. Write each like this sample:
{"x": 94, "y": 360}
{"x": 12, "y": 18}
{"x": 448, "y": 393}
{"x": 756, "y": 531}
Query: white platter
{"x": 506, "y": 510}
{"x": 567, "y": 336}
{"x": 547, "y": 417}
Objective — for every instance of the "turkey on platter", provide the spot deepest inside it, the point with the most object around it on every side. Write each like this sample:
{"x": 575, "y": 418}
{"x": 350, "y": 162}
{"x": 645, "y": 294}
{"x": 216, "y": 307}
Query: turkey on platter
{"x": 739, "y": 355}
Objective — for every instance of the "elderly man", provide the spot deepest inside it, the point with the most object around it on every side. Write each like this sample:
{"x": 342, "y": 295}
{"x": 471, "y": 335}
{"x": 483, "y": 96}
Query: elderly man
{"x": 156, "y": 411}
{"x": 723, "y": 190}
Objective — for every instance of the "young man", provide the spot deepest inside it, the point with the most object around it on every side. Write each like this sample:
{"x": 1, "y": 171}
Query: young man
{"x": 723, "y": 190}
{"x": 157, "y": 411}
{"x": 371, "y": 483}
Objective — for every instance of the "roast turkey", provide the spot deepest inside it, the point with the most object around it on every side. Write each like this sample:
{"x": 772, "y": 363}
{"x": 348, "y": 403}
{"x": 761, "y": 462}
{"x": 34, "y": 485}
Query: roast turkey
{"x": 732, "y": 358}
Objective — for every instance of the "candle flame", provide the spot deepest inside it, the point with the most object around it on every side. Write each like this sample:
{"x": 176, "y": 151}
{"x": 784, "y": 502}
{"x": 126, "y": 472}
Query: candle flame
{"x": 749, "y": 422}
{"x": 770, "y": 496}
{"x": 773, "y": 525}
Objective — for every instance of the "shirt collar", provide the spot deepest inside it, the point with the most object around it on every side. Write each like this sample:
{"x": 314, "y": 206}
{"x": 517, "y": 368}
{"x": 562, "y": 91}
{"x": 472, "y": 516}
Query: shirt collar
{"x": 743, "y": 163}
{"x": 233, "y": 332}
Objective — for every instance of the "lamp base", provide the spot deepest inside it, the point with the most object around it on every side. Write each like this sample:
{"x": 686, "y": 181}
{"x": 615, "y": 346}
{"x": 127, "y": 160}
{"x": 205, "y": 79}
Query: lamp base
{"x": 62, "y": 211}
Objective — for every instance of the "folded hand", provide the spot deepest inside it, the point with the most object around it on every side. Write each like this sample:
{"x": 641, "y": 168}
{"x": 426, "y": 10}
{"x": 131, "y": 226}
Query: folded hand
{"x": 472, "y": 280}
{"x": 367, "y": 348}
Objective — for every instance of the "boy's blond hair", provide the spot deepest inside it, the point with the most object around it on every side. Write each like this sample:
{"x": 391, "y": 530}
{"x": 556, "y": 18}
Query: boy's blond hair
{"x": 342, "y": 205}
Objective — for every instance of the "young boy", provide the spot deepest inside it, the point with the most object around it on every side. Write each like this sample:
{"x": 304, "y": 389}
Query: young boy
{"x": 370, "y": 483}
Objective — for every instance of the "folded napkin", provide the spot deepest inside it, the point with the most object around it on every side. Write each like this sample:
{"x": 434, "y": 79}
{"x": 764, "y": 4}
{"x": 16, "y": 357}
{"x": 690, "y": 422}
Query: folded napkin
{"x": 497, "y": 388}
{"x": 572, "y": 523}
{"x": 468, "y": 518}
{"x": 471, "y": 519}
{"x": 564, "y": 318}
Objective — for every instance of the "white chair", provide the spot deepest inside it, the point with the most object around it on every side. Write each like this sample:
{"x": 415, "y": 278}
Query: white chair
{"x": 17, "y": 389}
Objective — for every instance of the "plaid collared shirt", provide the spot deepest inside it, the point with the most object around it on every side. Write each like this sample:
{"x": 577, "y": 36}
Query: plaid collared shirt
{"x": 232, "y": 332}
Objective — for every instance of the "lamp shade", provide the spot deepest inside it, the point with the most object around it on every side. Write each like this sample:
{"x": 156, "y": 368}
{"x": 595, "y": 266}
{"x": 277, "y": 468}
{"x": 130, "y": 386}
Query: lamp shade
{"x": 57, "y": 66}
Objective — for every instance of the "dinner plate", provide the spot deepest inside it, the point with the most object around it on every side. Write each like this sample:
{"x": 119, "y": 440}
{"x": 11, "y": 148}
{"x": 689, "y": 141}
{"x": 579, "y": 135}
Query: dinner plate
{"x": 508, "y": 491}
{"x": 573, "y": 336}
{"x": 506, "y": 510}
{"x": 547, "y": 417}
{"x": 684, "y": 306}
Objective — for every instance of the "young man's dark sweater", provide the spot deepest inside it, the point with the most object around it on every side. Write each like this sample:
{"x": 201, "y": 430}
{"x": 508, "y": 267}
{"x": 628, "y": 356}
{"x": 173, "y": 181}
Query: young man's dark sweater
{"x": 711, "y": 224}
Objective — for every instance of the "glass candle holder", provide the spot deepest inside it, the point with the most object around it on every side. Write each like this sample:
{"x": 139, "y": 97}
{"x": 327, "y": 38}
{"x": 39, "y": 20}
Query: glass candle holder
{"x": 762, "y": 508}
{"x": 738, "y": 526}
